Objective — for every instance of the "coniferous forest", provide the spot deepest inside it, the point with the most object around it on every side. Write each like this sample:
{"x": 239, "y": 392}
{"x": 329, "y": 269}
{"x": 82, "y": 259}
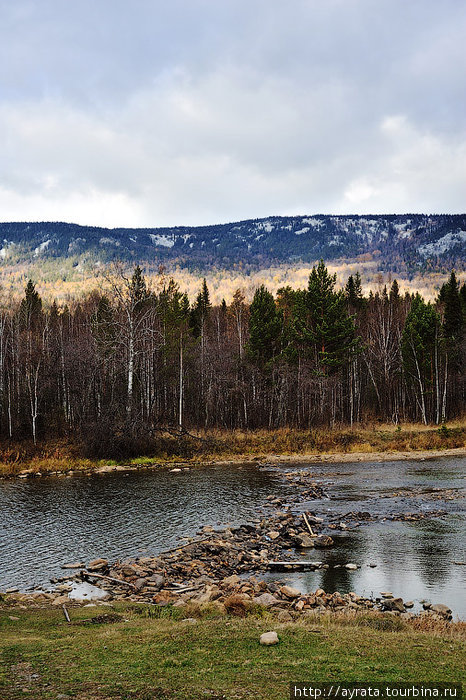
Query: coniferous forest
{"x": 130, "y": 361}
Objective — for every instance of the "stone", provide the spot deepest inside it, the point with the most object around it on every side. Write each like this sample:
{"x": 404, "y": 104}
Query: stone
{"x": 284, "y": 616}
{"x": 97, "y": 565}
{"x": 441, "y": 609}
{"x": 305, "y": 541}
{"x": 273, "y": 534}
{"x": 61, "y": 600}
{"x": 175, "y": 470}
{"x": 351, "y": 567}
{"x": 386, "y": 594}
{"x": 323, "y": 541}
{"x": 290, "y": 592}
{"x": 266, "y": 600}
{"x": 269, "y": 638}
{"x": 76, "y": 565}
{"x": 409, "y": 604}
{"x": 156, "y": 581}
{"x": 12, "y": 590}
{"x": 394, "y": 604}
{"x": 231, "y": 581}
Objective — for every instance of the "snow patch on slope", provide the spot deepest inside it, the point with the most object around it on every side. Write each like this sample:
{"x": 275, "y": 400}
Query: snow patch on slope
{"x": 163, "y": 240}
{"x": 443, "y": 244}
{"x": 43, "y": 246}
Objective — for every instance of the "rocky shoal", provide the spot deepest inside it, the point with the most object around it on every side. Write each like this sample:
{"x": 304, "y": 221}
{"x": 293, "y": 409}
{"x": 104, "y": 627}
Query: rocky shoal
{"x": 224, "y": 567}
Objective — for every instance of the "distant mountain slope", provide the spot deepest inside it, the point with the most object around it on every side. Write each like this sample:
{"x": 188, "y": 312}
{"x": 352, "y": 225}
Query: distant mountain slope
{"x": 398, "y": 242}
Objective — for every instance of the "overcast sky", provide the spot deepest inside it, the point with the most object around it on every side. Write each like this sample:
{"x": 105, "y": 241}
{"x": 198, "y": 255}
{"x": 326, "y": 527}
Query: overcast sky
{"x": 154, "y": 113}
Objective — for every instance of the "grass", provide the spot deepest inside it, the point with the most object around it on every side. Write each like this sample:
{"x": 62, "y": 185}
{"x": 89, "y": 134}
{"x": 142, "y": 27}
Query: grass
{"x": 161, "y": 656}
{"x": 62, "y": 456}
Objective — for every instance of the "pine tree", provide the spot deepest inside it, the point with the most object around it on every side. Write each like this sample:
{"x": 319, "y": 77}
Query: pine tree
{"x": 31, "y": 306}
{"x": 328, "y": 327}
{"x": 453, "y": 314}
{"x": 395, "y": 293}
{"x": 265, "y": 325}
{"x": 418, "y": 347}
{"x": 353, "y": 291}
{"x": 200, "y": 312}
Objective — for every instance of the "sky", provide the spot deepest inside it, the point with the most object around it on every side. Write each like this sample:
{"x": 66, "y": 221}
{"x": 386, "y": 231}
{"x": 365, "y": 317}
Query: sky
{"x": 190, "y": 112}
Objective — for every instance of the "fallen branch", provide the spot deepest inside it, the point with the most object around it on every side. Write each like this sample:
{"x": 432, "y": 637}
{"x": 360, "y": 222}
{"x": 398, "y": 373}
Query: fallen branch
{"x": 292, "y": 563}
{"x": 108, "y": 578}
{"x": 185, "y": 589}
{"x": 308, "y": 525}
{"x": 66, "y": 614}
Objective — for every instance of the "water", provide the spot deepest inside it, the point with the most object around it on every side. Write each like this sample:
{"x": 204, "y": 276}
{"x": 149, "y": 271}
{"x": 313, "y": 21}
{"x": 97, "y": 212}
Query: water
{"x": 50, "y": 521}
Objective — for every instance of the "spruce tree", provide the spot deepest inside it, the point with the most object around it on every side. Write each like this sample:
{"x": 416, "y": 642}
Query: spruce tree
{"x": 265, "y": 325}
{"x": 31, "y": 306}
{"x": 328, "y": 329}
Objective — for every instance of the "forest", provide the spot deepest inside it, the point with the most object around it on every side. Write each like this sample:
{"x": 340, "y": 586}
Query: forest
{"x": 127, "y": 362}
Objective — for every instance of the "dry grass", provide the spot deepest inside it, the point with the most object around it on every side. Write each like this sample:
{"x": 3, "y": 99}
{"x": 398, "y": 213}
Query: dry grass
{"x": 63, "y": 456}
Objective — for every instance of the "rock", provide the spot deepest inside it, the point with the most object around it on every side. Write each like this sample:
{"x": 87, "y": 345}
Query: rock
{"x": 386, "y": 594}
{"x": 409, "y": 604}
{"x": 304, "y": 541}
{"x": 61, "y": 600}
{"x": 319, "y": 592}
{"x": 12, "y": 590}
{"x": 441, "y": 609}
{"x": 351, "y": 567}
{"x": 268, "y": 639}
{"x": 156, "y": 581}
{"x": 273, "y": 534}
{"x": 284, "y": 616}
{"x": 175, "y": 470}
{"x": 266, "y": 600}
{"x": 97, "y": 565}
{"x": 231, "y": 581}
{"x": 12, "y": 617}
{"x": 77, "y": 565}
{"x": 394, "y": 604}
{"x": 323, "y": 541}
{"x": 290, "y": 592}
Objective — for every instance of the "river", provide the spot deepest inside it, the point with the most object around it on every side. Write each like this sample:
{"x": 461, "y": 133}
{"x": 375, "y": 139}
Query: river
{"x": 48, "y": 521}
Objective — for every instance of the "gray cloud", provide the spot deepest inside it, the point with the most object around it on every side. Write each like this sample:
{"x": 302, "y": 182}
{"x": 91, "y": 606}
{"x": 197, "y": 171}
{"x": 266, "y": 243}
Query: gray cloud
{"x": 194, "y": 111}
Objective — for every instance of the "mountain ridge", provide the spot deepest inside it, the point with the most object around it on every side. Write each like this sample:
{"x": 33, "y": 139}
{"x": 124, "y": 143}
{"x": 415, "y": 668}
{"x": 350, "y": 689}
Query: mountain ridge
{"x": 398, "y": 242}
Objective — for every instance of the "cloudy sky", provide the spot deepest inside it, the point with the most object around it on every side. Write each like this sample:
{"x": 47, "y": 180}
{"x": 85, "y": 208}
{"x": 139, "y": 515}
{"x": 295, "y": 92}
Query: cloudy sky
{"x": 164, "y": 112}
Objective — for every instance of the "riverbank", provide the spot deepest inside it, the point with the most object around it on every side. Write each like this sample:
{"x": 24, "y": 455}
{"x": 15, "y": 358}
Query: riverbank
{"x": 360, "y": 443}
{"x": 137, "y": 652}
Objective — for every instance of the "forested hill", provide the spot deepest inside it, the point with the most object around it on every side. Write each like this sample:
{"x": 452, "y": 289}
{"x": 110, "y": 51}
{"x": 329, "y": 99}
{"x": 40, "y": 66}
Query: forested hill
{"x": 402, "y": 243}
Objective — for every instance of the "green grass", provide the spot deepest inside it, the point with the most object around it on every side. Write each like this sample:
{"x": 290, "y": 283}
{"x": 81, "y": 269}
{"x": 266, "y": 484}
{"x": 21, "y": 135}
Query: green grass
{"x": 160, "y": 656}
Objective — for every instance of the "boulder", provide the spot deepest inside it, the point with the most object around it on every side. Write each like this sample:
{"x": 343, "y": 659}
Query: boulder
{"x": 441, "y": 609}
{"x": 266, "y": 600}
{"x": 351, "y": 567}
{"x": 231, "y": 581}
{"x": 323, "y": 541}
{"x": 155, "y": 582}
{"x": 268, "y": 639}
{"x": 394, "y": 604}
{"x": 304, "y": 540}
{"x": 290, "y": 592}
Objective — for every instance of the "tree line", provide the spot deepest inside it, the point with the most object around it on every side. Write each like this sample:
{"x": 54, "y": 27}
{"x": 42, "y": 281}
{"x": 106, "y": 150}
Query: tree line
{"x": 130, "y": 361}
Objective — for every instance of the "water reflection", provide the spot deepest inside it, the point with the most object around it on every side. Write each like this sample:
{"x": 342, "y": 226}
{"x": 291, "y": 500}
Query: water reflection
{"x": 46, "y": 522}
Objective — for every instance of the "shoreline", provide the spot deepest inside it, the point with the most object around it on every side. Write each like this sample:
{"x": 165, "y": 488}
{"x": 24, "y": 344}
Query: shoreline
{"x": 261, "y": 459}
